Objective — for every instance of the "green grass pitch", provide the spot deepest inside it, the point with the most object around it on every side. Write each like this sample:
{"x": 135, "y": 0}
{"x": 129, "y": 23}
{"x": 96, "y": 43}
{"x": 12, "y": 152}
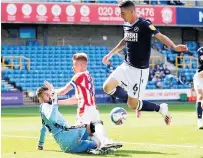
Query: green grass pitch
{"x": 146, "y": 137}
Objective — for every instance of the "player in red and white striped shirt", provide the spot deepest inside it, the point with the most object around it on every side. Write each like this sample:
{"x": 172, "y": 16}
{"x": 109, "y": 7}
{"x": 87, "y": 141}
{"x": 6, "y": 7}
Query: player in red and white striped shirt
{"x": 87, "y": 110}
{"x": 85, "y": 94}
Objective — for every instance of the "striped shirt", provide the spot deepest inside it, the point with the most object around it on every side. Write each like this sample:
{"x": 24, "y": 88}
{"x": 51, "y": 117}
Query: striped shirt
{"x": 84, "y": 90}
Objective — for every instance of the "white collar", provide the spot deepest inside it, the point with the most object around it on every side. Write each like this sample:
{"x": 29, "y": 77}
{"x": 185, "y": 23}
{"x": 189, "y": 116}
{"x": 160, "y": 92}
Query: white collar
{"x": 134, "y": 22}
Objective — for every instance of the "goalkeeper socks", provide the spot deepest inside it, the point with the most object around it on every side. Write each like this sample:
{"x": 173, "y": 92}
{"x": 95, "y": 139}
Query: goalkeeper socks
{"x": 199, "y": 110}
{"x": 119, "y": 93}
{"x": 148, "y": 106}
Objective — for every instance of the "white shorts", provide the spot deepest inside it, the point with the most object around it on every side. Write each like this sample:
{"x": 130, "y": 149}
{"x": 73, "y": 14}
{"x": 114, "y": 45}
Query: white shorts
{"x": 198, "y": 82}
{"x": 132, "y": 79}
{"x": 90, "y": 114}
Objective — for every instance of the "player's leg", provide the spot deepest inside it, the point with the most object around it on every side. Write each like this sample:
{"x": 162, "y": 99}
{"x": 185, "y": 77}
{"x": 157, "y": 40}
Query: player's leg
{"x": 136, "y": 90}
{"x": 69, "y": 139}
{"x": 143, "y": 105}
{"x": 91, "y": 114}
{"x": 134, "y": 81}
{"x": 198, "y": 85}
{"x": 100, "y": 133}
{"x": 112, "y": 83}
{"x": 199, "y": 108}
{"x": 76, "y": 139}
{"x": 85, "y": 145}
{"x": 99, "y": 127}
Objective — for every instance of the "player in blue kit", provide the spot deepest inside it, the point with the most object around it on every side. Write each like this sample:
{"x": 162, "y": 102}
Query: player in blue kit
{"x": 72, "y": 139}
{"x": 132, "y": 75}
{"x": 198, "y": 86}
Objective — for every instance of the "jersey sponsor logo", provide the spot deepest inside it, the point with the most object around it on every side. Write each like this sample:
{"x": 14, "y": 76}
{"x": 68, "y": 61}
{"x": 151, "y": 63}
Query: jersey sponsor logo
{"x": 132, "y": 37}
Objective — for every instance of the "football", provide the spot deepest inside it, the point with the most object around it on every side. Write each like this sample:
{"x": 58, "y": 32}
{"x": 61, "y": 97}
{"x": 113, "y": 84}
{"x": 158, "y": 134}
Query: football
{"x": 118, "y": 115}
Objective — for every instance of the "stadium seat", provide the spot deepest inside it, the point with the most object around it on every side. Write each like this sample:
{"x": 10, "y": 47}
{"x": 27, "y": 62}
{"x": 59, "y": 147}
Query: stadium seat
{"x": 53, "y": 63}
{"x": 163, "y": 2}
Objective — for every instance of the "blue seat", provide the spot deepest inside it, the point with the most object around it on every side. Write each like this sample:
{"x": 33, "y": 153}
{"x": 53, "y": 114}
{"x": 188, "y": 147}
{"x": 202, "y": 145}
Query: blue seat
{"x": 154, "y": 2}
{"x": 163, "y": 2}
{"x": 54, "y": 62}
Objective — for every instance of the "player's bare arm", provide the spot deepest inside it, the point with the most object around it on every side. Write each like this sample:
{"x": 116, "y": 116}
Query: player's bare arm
{"x": 165, "y": 40}
{"x": 64, "y": 90}
{"x": 69, "y": 101}
{"x": 61, "y": 91}
{"x": 121, "y": 45}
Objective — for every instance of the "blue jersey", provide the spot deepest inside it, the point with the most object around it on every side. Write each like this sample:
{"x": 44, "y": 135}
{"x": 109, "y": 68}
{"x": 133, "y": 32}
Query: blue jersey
{"x": 67, "y": 137}
{"x": 51, "y": 117}
{"x": 138, "y": 42}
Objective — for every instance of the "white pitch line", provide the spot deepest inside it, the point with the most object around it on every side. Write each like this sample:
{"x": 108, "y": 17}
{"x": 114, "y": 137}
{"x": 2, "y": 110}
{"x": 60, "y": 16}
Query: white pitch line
{"x": 17, "y": 114}
{"x": 166, "y": 145}
{"x": 26, "y": 114}
{"x": 130, "y": 143}
{"x": 16, "y": 136}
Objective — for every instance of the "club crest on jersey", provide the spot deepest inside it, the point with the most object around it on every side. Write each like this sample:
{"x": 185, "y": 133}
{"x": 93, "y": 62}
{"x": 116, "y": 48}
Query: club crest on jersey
{"x": 136, "y": 29}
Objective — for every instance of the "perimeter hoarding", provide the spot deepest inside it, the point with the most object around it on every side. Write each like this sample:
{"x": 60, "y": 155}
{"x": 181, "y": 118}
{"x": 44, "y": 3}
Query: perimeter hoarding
{"x": 104, "y": 14}
{"x": 189, "y": 16}
{"x": 11, "y": 98}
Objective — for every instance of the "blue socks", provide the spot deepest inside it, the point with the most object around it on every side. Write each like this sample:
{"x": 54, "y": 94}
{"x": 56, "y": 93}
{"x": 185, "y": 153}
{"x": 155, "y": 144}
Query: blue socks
{"x": 143, "y": 104}
{"x": 119, "y": 93}
{"x": 148, "y": 106}
{"x": 199, "y": 110}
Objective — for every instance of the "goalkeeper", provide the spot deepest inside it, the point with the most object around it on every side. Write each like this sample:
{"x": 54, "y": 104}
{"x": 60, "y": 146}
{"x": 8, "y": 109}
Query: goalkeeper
{"x": 73, "y": 139}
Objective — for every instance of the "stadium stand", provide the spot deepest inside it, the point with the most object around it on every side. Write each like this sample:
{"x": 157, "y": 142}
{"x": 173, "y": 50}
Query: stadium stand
{"x": 185, "y": 62}
{"x": 53, "y": 63}
{"x": 5, "y": 87}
